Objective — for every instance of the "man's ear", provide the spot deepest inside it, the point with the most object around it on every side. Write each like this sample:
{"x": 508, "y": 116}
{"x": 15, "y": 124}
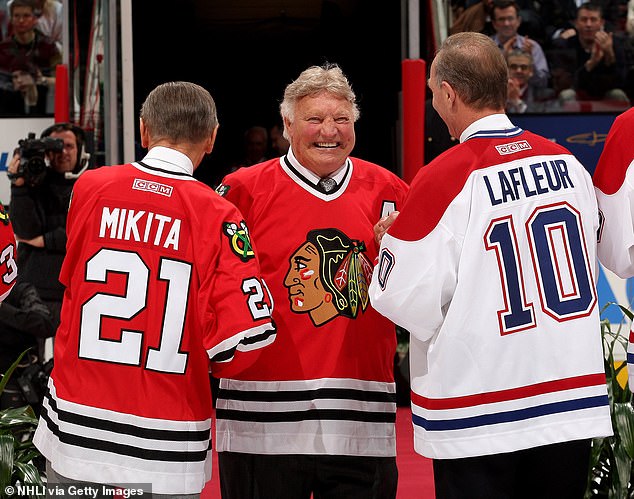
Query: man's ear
{"x": 448, "y": 93}
{"x": 145, "y": 136}
{"x": 212, "y": 140}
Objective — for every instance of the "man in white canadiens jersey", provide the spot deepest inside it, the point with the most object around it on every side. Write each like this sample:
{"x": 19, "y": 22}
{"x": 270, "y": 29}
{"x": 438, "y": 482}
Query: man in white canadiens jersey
{"x": 162, "y": 285}
{"x": 491, "y": 268}
{"x": 614, "y": 186}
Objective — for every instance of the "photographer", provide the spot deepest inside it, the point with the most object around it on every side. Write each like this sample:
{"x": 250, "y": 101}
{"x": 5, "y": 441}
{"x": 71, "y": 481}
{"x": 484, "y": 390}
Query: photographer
{"x": 42, "y": 174}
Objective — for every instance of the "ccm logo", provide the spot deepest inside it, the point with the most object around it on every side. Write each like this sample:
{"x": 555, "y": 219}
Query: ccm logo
{"x": 513, "y": 147}
{"x": 155, "y": 187}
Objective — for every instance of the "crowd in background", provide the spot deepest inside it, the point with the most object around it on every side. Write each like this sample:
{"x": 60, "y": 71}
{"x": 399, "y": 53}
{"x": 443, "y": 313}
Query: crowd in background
{"x": 562, "y": 55}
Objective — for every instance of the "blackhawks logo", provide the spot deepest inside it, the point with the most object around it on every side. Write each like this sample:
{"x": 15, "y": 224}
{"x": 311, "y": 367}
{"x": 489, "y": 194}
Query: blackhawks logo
{"x": 239, "y": 240}
{"x": 329, "y": 275}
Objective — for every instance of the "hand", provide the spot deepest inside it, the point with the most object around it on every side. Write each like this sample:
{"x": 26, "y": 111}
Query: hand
{"x": 382, "y": 225}
{"x": 568, "y": 33}
{"x": 514, "y": 92}
{"x": 528, "y": 45}
{"x": 605, "y": 42}
{"x": 37, "y": 241}
{"x": 13, "y": 170}
{"x": 508, "y": 45}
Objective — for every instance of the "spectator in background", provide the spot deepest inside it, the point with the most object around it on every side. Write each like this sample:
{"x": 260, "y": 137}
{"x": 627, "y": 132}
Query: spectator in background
{"x": 28, "y": 43}
{"x": 523, "y": 95}
{"x": 50, "y": 18}
{"x": 560, "y": 16}
{"x": 29, "y": 97}
{"x": 279, "y": 143}
{"x": 506, "y": 22}
{"x": 595, "y": 59}
{"x": 477, "y": 17}
{"x": 255, "y": 147}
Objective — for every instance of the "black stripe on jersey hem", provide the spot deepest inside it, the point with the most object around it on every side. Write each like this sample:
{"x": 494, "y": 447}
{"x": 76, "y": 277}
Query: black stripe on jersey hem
{"x": 124, "y": 449}
{"x": 302, "y": 395}
{"x": 318, "y": 187}
{"x": 309, "y": 415}
{"x": 129, "y": 429}
{"x": 170, "y": 172}
{"x": 251, "y": 340}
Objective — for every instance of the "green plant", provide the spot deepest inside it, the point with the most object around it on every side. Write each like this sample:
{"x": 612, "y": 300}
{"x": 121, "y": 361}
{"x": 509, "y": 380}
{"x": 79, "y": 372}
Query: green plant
{"x": 17, "y": 451}
{"x": 611, "y": 473}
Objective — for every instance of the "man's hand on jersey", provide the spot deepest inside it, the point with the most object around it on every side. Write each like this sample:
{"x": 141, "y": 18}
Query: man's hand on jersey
{"x": 37, "y": 241}
{"x": 382, "y": 225}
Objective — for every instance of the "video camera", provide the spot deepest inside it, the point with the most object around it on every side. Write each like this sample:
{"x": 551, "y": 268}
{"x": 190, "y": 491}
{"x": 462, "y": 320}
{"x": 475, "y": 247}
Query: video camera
{"x": 33, "y": 164}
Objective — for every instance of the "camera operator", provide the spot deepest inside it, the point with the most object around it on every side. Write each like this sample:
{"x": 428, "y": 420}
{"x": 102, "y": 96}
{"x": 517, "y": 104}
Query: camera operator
{"x": 42, "y": 174}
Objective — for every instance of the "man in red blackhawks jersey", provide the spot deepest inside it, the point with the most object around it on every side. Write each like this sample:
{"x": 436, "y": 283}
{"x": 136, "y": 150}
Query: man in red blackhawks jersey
{"x": 161, "y": 277}
{"x": 491, "y": 266}
{"x": 316, "y": 412}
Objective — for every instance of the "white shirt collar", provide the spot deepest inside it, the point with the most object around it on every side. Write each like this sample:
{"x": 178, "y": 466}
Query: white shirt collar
{"x": 169, "y": 159}
{"x": 490, "y": 122}
{"x": 312, "y": 177}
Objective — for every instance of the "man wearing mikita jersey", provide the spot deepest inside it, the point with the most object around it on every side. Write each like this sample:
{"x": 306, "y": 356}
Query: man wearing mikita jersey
{"x": 8, "y": 255}
{"x": 162, "y": 285}
{"x": 491, "y": 266}
{"x": 316, "y": 412}
{"x": 614, "y": 186}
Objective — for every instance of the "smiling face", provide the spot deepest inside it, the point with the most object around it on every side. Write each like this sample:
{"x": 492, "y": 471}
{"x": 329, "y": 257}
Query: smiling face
{"x": 506, "y": 22}
{"x": 322, "y": 132}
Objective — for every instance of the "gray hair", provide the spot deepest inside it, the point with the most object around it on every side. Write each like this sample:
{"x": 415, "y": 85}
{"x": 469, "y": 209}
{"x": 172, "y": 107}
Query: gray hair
{"x": 314, "y": 80}
{"x": 475, "y": 68}
{"x": 179, "y": 111}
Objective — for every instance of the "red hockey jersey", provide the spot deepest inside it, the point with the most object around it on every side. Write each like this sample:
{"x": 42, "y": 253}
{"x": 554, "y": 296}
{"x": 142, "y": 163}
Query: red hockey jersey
{"x": 160, "y": 277}
{"x": 490, "y": 266}
{"x": 614, "y": 186}
{"x": 326, "y": 385}
{"x": 8, "y": 255}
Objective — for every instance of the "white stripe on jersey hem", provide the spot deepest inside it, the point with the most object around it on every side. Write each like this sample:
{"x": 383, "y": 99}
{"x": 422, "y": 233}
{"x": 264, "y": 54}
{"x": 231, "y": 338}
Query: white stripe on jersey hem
{"x": 340, "y": 438}
{"x": 510, "y": 437}
{"x": 309, "y": 384}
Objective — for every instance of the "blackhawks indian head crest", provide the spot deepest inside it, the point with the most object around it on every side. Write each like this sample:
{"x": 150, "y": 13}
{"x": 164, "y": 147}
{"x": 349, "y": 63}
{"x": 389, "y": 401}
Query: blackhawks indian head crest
{"x": 239, "y": 241}
{"x": 329, "y": 275}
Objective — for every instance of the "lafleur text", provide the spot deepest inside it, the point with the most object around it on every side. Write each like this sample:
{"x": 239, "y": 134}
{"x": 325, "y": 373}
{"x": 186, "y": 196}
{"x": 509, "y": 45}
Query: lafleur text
{"x": 527, "y": 181}
{"x": 140, "y": 226}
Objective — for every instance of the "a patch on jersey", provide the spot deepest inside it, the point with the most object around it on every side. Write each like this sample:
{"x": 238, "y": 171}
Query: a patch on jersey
{"x": 222, "y": 189}
{"x": 151, "y": 186}
{"x": 329, "y": 275}
{"x": 4, "y": 216}
{"x": 239, "y": 240}
{"x": 513, "y": 147}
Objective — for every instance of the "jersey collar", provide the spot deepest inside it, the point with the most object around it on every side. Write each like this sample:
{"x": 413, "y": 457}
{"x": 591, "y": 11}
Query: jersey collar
{"x": 494, "y": 125}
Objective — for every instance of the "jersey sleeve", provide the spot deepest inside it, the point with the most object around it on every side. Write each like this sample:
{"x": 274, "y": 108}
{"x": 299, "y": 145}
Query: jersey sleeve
{"x": 614, "y": 186}
{"x": 416, "y": 273}
{"x": 8, "y": 256}
{"x": 238, "y": 312}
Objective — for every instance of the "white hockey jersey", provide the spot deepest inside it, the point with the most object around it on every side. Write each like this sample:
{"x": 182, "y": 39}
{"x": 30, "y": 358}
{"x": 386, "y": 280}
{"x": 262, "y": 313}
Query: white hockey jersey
{"x": 491, "y": 267}
{"x": 614, "y": 186}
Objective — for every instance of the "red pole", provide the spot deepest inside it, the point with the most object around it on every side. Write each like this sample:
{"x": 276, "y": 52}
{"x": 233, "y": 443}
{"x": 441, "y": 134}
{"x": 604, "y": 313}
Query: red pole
{"x": 62, "y": 103}
{"x": 414, "y": 85}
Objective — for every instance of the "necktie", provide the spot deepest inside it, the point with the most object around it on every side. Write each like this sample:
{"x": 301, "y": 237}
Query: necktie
{"x": 327, "y": 184}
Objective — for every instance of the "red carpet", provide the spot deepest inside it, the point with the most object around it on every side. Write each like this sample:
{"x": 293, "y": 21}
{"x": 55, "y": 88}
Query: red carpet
{"x": 415, "y": 475}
